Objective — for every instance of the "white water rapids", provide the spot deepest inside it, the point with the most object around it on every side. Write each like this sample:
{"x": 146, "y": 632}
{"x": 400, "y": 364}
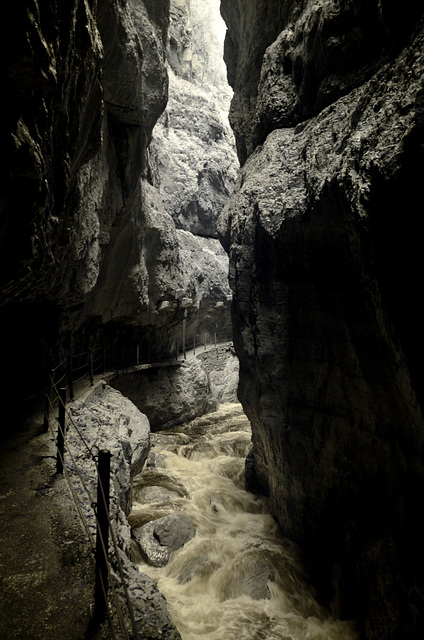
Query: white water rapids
{"x": 237, "y": 579}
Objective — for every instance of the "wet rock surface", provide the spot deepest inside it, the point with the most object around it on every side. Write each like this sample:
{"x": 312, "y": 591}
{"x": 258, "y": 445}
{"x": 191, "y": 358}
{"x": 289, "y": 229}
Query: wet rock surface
{"x": 159, "y": 538}
{"x": 324, "y": 273}
{"x": 237, "y": 576}
{"x": 168, "y": 395}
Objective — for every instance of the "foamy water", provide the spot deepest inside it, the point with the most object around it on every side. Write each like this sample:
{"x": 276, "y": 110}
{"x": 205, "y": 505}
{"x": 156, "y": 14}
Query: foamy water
{"x": 237, "y": 579}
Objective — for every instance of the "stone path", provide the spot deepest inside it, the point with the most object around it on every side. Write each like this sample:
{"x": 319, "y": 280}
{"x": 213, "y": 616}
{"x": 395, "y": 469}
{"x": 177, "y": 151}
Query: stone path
{"x": 46, "y": 568}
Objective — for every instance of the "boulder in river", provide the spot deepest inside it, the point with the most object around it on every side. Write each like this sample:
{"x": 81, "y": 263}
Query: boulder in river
{"x": 159, "y": 538}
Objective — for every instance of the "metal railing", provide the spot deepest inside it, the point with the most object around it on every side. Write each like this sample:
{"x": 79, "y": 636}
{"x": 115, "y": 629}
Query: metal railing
{"x": 81, "y": 369}
{"x": 108, "y": 581}
{"x": 74, "y": 369}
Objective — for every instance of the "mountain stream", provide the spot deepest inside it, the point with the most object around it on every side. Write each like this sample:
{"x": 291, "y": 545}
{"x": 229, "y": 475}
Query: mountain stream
{"x": 237, "y": 578}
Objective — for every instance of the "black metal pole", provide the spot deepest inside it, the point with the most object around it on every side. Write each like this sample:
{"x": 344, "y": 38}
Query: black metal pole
{"x": 70, "y": 381}
{"x": 90, "y": 366}
{"x": 102, "y": 537}
{"x": 47, "y": 402}
{"x": 61, "y": 431}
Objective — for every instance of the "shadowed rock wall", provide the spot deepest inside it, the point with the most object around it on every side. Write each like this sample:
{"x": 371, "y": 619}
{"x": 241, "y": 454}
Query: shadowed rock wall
{"x": 86, "y": 83}
{"x": 322, "y": 235}
{"x": 90, "y": 249}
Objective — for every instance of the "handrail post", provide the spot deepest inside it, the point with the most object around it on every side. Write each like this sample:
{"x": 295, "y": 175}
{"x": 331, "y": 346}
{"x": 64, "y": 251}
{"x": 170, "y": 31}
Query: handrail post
{"x": 102, "y": 535}
{"x": 90, "y": 366}
{"x": 47, "y": 402}
{"x": 194, "y": 345}
{"x": 61, "y": 431}
{"x": 138, "y": 355}
{"x": 70, "y": 381}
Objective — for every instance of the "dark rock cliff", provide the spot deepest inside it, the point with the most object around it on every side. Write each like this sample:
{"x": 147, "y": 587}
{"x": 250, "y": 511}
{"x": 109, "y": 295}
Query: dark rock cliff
{"x": 86, "y": 86}
{"x": 86, "y": 83}
{"x": 323, "y": 236}
{"x": 89, "y": 249}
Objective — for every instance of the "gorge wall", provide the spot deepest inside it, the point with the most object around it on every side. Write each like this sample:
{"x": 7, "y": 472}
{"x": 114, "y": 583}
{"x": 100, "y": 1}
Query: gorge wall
{"x": 87, "y": 82}
{"x": 193, "y": 159}
{"x": 90, "y": 250}
{"x": 322, "y": 233}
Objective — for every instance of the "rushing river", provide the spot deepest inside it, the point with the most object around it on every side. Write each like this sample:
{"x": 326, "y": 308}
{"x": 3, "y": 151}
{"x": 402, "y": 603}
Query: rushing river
{"x": 237, "y": 578}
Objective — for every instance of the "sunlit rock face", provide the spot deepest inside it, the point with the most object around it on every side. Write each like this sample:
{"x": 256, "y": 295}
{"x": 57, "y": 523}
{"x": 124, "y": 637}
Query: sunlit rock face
{"x": 193, "y": 159}
{"x": 324, "y": 253}
{"x": 193, "y": 144}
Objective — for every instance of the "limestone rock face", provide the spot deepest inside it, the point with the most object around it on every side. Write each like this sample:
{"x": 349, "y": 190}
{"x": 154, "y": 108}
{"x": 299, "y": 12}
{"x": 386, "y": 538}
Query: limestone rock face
{"x": 222, "y": 366}
{"x": 170, "y": 395}
{"x": 86, "y": 85}
{"x": 287, "y": 61}
{"x": 193, "y": 145}
{"x": 110, "y": 421}
{"x": 92, "y": 238}
{"x": 74, "y": 157}
{"x": 193, "y": 164}
{"x": 322, "y": 237}
{"x": 194, "y": 155}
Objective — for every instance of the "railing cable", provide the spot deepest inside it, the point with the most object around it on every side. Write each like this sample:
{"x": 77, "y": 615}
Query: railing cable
{"x": 90, "y": 539}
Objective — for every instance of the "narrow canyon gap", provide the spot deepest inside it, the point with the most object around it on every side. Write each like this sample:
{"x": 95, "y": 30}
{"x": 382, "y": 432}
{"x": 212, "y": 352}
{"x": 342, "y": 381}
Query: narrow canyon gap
{"x": 322, "y": 233}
